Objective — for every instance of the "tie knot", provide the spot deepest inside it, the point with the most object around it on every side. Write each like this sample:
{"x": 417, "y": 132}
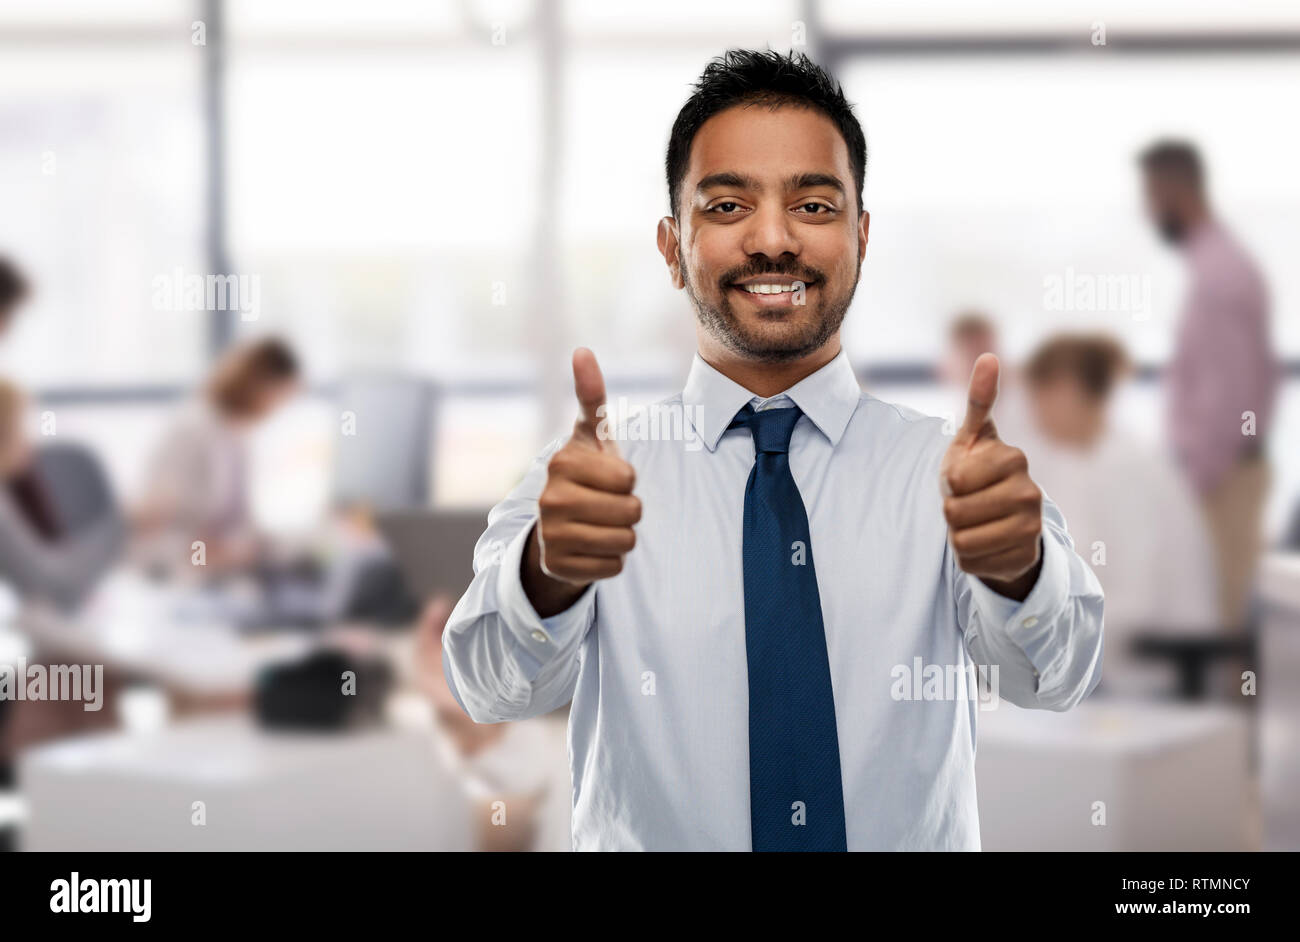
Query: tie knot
{"x": 771, "y": 428}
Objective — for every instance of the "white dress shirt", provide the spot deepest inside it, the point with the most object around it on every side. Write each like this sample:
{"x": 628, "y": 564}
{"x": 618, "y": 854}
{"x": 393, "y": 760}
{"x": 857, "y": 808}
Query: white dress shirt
{"x": 654, "y": 658}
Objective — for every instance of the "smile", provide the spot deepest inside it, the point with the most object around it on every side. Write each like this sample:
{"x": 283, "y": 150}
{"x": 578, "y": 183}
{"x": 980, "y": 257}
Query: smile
{"x": 762, "y": 288}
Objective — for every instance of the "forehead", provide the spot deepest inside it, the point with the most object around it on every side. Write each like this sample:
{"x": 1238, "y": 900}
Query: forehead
{"x": 768, "y": 144}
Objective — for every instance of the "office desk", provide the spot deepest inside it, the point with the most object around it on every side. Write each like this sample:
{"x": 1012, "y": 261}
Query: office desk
{"x": 381, "y": 789}
{"x": 1279, "y": 693}
{"x": 1171, "y": 777}
{"x": 149, "y": 630}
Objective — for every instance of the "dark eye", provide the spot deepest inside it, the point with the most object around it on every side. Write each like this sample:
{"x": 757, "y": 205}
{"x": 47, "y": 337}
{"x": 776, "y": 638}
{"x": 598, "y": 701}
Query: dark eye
{"x": 815, "y": 208}
{"x": 726, "y": 208}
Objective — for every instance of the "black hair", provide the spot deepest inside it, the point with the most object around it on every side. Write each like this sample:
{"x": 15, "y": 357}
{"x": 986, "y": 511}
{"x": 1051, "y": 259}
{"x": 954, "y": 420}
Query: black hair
{"x": 749, "y": 77}
{"x": 13, "y": 286}
{"x": 1174, "y": 158}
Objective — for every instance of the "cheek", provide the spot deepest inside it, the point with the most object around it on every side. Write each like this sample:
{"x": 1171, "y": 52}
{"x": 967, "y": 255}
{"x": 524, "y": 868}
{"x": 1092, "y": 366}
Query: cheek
{"x": 833, "y": 251}
{"x": 709, "y": 253}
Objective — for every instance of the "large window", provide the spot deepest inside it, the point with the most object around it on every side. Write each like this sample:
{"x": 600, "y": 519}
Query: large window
{"x": 102, "y": 189}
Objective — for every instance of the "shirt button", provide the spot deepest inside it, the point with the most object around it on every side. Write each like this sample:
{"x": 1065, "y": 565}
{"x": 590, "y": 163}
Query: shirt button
{"x": 539, "y": 635}
{"x": 1030, "y": 621}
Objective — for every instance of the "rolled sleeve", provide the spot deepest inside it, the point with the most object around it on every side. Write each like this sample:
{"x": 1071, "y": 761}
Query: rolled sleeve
{"x": 502, "y": 660}
{"x": 537, "y": 640}
{"x": 1047, "y": 648}
{"x": 1028, "y": 624}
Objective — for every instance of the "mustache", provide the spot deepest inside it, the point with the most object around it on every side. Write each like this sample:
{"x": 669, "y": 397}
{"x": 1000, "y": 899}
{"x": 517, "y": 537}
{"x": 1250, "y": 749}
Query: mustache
{"x": 808, "y": 276}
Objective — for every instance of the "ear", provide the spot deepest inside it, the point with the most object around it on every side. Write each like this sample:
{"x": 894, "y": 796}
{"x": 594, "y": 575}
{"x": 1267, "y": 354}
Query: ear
{"x": 669, "y": 248}
{"x": 864, "y": 225}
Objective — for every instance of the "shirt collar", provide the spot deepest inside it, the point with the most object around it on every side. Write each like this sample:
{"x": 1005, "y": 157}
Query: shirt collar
{"x": 827, "y": 397}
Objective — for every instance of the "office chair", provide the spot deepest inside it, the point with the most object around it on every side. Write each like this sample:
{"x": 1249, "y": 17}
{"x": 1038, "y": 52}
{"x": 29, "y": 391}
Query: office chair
{"x": 77, "y": 485}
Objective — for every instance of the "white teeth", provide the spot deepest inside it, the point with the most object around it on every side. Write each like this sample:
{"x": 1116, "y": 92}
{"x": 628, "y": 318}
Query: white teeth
{"x": 768, "y": 289}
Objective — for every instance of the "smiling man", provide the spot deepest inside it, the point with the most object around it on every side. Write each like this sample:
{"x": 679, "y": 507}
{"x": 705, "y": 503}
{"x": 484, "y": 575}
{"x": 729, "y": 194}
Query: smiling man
{"x": 730, "y": 622}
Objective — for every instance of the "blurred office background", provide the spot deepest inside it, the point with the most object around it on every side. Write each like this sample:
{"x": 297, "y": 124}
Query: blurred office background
{"x": 435, "y": 203}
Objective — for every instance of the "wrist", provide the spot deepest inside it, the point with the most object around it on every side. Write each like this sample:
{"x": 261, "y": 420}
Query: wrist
{"x": 548, "y": 595}
{"x": 1018, "y": 589}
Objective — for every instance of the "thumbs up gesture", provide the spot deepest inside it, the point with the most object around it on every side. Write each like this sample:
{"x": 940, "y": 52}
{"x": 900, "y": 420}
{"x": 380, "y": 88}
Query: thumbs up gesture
{"x": 993, "y": 508}
{"x": 586, "y": 510}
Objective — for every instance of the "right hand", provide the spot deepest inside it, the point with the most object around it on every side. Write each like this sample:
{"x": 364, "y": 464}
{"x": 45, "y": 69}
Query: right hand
{"x": 587, "y": 508}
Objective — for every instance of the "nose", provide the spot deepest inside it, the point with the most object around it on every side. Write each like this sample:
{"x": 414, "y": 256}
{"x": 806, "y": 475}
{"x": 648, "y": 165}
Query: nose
{"x": 769, "y": 231}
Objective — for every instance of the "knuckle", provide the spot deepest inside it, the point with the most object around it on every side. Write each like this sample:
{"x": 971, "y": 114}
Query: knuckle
{"x": 550, "y": 502}
{"x": 950, "y": 508}
{"x": 634, "y": 508}
{"x": 561, "y": 463}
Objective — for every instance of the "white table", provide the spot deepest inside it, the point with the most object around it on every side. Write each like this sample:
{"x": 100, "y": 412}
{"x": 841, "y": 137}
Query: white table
{"x": 132, "y": 624}
{"x": 1279, "y": 693}
{"x": 382, "y": 789}
{"x": 1171, "y": 777}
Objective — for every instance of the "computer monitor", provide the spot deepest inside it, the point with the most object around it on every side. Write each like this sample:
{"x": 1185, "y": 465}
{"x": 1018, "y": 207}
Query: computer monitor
{"x": 384, "y": 450}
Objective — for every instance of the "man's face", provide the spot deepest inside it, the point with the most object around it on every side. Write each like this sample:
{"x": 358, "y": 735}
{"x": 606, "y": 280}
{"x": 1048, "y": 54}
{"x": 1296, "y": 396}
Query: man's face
{"x": 1166, "y": 198}
{"x": 769, "y": 241}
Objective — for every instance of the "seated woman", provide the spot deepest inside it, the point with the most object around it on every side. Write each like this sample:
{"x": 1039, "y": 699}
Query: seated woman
{"x": 1133, "y": 519}
{"x": 197, "y": 486}
{"x": 37, "y": 559}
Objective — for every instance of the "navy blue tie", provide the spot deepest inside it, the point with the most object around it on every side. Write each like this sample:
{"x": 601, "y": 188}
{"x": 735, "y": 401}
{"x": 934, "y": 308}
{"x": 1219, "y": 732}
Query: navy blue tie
{"x": 796, "y": 799}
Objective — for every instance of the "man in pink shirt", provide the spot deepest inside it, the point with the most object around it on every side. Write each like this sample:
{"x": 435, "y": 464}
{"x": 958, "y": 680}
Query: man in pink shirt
{"x": 1223, "y": 377}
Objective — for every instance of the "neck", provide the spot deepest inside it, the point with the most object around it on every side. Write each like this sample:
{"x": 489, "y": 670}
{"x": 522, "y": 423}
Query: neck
{"x": 762, "y": 378}
{"x": 1197, "y": 216}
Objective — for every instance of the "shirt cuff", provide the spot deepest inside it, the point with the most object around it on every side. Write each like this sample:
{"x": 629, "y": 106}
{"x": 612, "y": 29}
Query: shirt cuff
{"x": 1028, "y": 624}
{"x": 537, "y": 640}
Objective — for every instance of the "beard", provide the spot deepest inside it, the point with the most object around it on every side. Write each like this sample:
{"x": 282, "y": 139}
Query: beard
{"x": 721, "y": 321}
{"x": 1172, "y": 228}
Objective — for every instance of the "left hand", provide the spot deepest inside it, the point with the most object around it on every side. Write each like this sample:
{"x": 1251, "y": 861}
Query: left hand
{"x": 993, "y": 508}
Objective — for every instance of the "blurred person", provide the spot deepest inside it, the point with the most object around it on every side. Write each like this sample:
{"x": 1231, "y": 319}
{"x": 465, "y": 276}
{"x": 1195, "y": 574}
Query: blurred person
{"x": 14, "y": 290}
{"x": 1223, "y": 378}
{"x": 197, "y": 487}
{"x": 44, "y": 564}
{"x": 1133, "y": 517}
{"x": 727, "y": 693}
{"x": 524, "y": 765}
{"x": 37, "y": 558}
{"x": 972, "y": 334}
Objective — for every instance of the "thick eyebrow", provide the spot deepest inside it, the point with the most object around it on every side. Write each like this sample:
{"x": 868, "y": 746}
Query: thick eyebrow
{"x": 800, "y": 181}
{"x": 806, "y": 181}
{"x": 729, "y": 179}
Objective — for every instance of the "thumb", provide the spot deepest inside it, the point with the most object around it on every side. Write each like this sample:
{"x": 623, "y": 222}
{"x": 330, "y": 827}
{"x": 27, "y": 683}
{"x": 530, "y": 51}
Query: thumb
{"x": 589, "y": 387}
{"x": 979, "y": 401}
